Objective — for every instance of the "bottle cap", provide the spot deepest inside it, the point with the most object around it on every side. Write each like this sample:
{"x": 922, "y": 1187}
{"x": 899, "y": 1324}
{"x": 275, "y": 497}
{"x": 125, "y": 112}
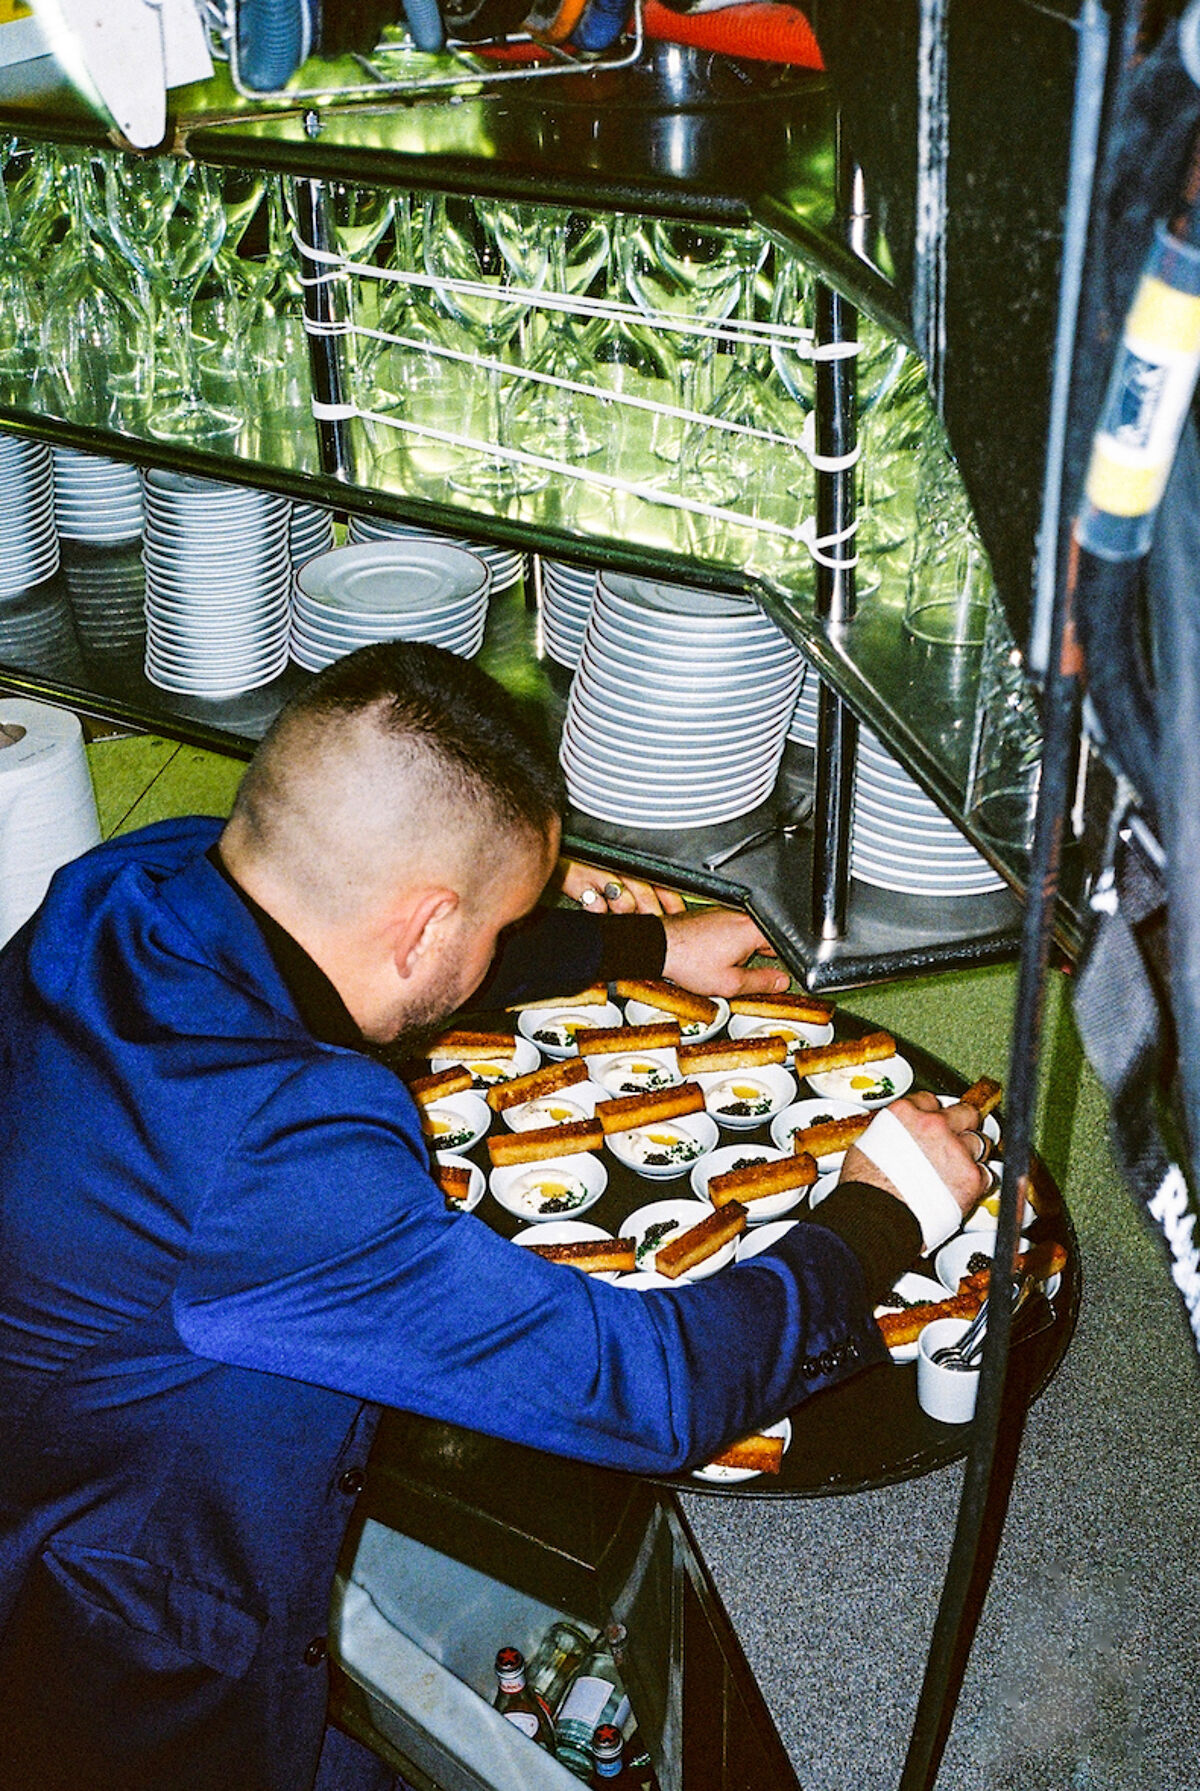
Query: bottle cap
{"x": 607, "y": 1741}
{"x": 510, "y": 1662}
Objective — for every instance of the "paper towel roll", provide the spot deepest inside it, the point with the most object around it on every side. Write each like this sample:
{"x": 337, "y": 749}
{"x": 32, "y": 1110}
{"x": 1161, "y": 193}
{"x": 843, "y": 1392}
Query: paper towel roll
{"x": 47, "y": 807}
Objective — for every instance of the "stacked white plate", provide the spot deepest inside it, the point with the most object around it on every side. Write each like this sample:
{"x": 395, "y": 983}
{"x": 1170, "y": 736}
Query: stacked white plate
{"x": 506, "y": 564}
{"x": 106, "y": 592}
{"x": 96, "y": 499}
{"x": 803, "y": 727}
{"x": 679, "y": 707}
{"x": 37, "y": 634}
{"x": 28, "y": 537}
{"x": 411, "y": 589}
{"x": 311, "y": 532}
{"x": 902, "y": 840}
{"x": 567, "y": 593}
{"x": 218, "y": 578}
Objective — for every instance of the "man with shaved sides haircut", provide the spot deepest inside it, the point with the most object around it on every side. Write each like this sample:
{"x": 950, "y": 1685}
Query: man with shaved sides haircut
{"x": 222, "y": 1247}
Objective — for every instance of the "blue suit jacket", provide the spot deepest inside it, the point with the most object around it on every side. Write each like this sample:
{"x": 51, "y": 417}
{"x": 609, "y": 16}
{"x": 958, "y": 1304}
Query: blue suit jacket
{"x": 220, "y": 1250}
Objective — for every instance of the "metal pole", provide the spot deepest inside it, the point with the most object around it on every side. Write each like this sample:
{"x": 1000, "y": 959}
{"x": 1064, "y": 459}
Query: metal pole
{"x": 321, "y": 319}
{"x": 836, "y": 434}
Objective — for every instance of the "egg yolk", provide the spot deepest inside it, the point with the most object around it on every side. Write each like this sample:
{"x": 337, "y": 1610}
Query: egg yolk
{"x": 438, "y": 1127}
{"x": 862, "y": 1081}
{"x": 745, "y": 1091}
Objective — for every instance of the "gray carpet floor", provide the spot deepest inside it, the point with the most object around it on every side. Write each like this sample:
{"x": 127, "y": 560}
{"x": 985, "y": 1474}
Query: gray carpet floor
{"x": 1085, "y": 1675}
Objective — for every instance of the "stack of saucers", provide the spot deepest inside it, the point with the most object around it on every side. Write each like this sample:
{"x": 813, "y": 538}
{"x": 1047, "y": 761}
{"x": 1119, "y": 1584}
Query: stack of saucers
{"x": 37, "y": 635}
{"x": 218, "y": 577}
{"x": 412, "y": 589}
{"x": 311, "y": 532}
{"x": 28, "y": 537}
{"x": 803, "y": 727}
{"x": 506, "y": 564}
{"x": 679, "y": 708}
{"x": 567, "y": 593}
{"x": 902, "y": 840}
{"x": 96, "y": 499}
{"x": 106, "y": 593}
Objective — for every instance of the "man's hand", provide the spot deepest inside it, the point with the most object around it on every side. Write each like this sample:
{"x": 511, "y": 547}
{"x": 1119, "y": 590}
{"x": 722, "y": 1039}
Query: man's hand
{"x": 707, "y": 952}
{"x": 946, "y": 1135}
{"x": 603, "y": 892}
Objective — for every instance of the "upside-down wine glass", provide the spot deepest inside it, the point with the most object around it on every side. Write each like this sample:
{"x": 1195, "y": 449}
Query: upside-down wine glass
{"x": 489, "y": 260}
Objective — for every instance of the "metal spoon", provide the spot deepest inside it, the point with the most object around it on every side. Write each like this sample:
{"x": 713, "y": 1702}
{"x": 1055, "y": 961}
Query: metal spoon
{"x": 797, "y": 819}
{"x": 967, "y": 1351}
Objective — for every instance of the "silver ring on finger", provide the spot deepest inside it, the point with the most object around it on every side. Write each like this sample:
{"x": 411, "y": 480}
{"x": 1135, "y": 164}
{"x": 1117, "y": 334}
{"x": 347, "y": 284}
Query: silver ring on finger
{"x": 589, "y": 897}
{"x": 978, "y": 1145}
{"x": 612, "y": 890}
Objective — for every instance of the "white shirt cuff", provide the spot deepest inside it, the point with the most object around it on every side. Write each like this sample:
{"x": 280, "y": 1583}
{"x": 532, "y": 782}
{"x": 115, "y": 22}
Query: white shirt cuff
{"x": 896, "y": 1152}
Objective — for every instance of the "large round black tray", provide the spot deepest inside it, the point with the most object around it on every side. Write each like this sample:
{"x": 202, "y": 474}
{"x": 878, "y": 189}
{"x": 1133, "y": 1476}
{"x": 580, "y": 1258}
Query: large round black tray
{"x": 868, "y": 1431}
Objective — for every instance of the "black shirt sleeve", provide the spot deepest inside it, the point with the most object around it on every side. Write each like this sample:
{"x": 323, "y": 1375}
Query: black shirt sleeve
{"x": 557, "y": 951}
{"x": 882, "y": 1232}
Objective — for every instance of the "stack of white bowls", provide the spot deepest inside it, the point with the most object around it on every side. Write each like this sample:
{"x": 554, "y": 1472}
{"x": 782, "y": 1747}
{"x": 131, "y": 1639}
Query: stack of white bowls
{"x": 506, "y": 564}
{"x": 411, "y": 589}
{"x": 28, "y": 537}
{"x": 36, "y": 633}
{"x": 218, "y": 578}
{"x": 902, "y": 841}
{"x": 679, "y": 708}
{"x": 96, "y": 499}
{"x": 311, "y": 532}
{"x": 567, "y": 593}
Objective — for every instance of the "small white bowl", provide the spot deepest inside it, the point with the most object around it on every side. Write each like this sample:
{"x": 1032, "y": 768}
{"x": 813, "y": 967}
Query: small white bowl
{"x": 947, "y": 1394}
{"x": 567, "y": 1231}
{"x": 914, "y": 1290}
{"x": 634, "y": 1072}
{"x": 823, "y": 1187}
{"x": 562, "y": 1108}
{"x": 951, "y": 1260}
{"x": 696, "y": 1131}
{"x": 515, "y": 1187}
{"x": 713, "y": 1471}
{"x": 735, "y": 1156}
{"x": 986, "y": 1216}
{"x": 640, "y": 1013}
{"x": 456, "y": 1122}
{"x": 501, "y": 1068}
{"x": 802, "y": 1114}
{"x": 674, "y": 1216}
{"x": 774, "y": 1088}
{"x": 799, "y": 1033}
{"x": 552, "y": 1029}
{"x": 641, "y": 1279}
{"x": 475, "y": 1187}
{"x": 761, "y": 1237}
{"x": 870, "y": 1084}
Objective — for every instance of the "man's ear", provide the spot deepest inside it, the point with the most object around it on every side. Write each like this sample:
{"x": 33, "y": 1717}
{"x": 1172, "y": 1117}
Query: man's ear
{"x": 418, "y": 928}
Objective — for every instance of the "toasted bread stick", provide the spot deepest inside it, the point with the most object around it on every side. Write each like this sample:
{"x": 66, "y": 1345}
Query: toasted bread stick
{"x": 761, "y": 1180}
{"x": 595, "y": 995}
{"x": 1044, "y": 1260}
{"x": 668, "y": 998}
{"x": 831, "y": 1136}
{"x": 548, "y": 1080}
{"x": 783, "y": 1007}
{"x": 627, "y": 1111}
{"x": 731, "y": 1054}
{"x": 984, "y": 1096}
{"x": 844, "y": 1054}
{"x": 701, "y": 1241}
{"x": 596, "y": 1255}
{"x": 454, "y": 1182}
{"x": 763, "y": 1455}
{"x": 603, "y": 1040}
{"x": 427, "y": 1089}
{"x": 468, "y": 1047}
{"x": 545, "y": 1141}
